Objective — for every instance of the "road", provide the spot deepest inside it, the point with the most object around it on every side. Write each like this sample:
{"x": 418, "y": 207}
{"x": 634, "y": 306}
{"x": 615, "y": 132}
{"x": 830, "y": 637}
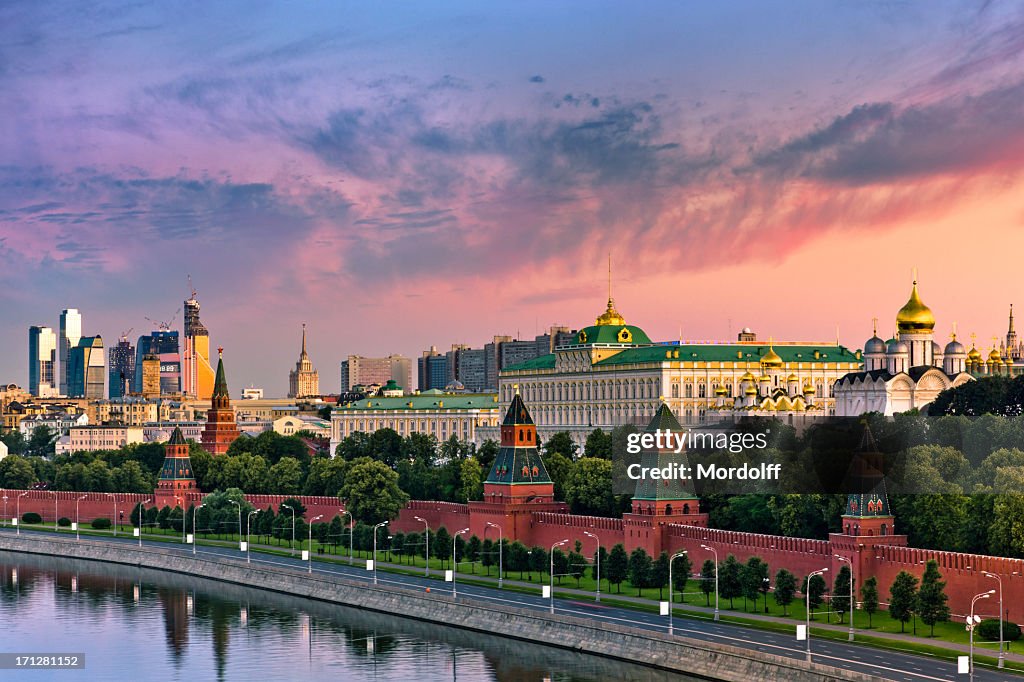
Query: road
{"x": 892, "y": 665}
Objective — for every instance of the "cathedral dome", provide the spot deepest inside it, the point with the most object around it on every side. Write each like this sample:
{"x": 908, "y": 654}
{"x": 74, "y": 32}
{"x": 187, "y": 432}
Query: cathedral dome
{"x": 750, "y": 390}
{"x": 874, "y": 345}
{"x": 895, "y": 347}
{"x": 915, "y": 316}
{"x": 748, "y": 377}
{"x": 954, "y": 347}
{"x": 974, "y": 355}
{"x": 771, "y": 358}
{"x": 994, "y": 356}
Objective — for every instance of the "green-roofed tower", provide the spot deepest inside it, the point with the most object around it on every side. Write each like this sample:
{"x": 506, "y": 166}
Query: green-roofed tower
{"x": 867, "y": 504}
{"x": 668, "y": 493}
{"x": 177, "y": 481}
{"x": 518, "y": 471}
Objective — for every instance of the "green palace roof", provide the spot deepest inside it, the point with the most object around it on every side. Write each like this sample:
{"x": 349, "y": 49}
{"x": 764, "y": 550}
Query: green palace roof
{"x": 432, "y": 401}
{"x": 738, "y": 352}
{"x": 619, "y": 335}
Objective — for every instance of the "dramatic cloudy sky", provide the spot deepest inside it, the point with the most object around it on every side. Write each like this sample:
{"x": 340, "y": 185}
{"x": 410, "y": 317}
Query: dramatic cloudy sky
{"x": 403, "y": 174}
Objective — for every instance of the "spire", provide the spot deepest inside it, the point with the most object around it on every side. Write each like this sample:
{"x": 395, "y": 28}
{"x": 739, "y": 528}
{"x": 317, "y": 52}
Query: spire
{"x": 610, "y": 316}
{"x": 1010, "y": 331}
{"x": 303, "y": 354}
{"x": 177, "y": 438}
{"x": 220, "y": 385}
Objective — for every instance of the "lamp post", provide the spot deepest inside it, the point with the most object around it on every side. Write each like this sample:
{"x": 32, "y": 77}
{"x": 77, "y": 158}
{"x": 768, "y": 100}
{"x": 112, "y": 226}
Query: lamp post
{"x": 55, "y": 526}
{"x": 455, "y": 566}
{"x": 1002, "y": 661}
{"x": 597, "y": 561}
{"x": 382, "y": 523}
{"x": 715, "y": 552}
{"x": 291, "y": 547}
{"x": 426, "y": 550}
{"x": 315, "y": 518}
{"x": 239, "y": 522}
{"x": 972, "y": 622}
{"x": 808, "y": 609}
{"x": 248, "y": 535}
{"x": 142, "y": 508}
{"x": 195, "y": 540}
{"x": 670, "y": 603}
{"x": 351, "y": 523}
{"x": 5, "y": 510}
{"x": 114, "y": 517}
{"x": 847, "y": 560}
{"x": 501, "y": 565}
{"x": 78, "y": 519}
{"x": 551, "y": 572}
{"x": 19, "y": 511}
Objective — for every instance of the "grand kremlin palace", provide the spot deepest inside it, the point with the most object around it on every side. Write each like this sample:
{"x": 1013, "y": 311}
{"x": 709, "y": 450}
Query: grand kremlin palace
{"x": 613, "y": 374}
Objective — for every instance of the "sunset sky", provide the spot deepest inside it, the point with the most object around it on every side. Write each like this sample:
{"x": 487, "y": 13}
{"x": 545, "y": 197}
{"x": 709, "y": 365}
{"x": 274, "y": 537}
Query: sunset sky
{"x": 404, "y": 174}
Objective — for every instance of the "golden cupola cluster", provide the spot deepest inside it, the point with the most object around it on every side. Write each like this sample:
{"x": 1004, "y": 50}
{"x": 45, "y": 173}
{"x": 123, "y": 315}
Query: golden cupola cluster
{"x": 915, "y": 316}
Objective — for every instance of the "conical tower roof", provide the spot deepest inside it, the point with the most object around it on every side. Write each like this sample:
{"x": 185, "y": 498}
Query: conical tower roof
{"x": 518, "y": 460}
{"x": 652, "y": 458}
{"x": 220, "y": 384}
{"x": 517, "y": 413}
{"x": 177, "y": 437}
{"x": 868, "y": 497}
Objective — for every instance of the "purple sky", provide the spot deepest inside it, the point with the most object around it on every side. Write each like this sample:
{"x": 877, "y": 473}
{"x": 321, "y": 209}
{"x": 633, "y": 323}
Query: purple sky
{"x": 404, "y": 174}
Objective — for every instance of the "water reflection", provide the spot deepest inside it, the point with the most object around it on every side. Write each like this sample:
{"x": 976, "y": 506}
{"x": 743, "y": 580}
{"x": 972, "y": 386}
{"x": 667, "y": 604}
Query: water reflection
{"x": 153, "y": 625}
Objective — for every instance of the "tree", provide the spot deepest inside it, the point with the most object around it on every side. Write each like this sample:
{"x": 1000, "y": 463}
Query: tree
{"x": 729, "y": 585}
{"x": 325, "y": 476}
{"x": 617, "y": 566}
{"x": 472, "y": 477}
{"x": 598, "y": 445}
{"x": 16, "y": 473}
{"x": 600, "y": 560}
{"x": 753, "y": 580}
{"x": 559, "y": 468}
{"x": 841, "y": 592}
{"x": 539, "y": 561}
{"x": 785, "y": 589}
{"x": 386, "y": 446}
{"x": 130, "y": 478}
{"x": 488, "y": 554}
{"x": 15, "y": 442}
{"x": 561, "y": 443}
{"x": 708, "y": 573}
{"x": 517, "y": 558}
{"x": 286, "y": 476}
{"x": 371, "y": 491}
{"x": 902, "y": 598}
{"x": 588, "y": 487}
{"x": 869, "y": 597}
{"x": 163, "y": 518}
{"x": 473, "y": 552}
{"x": 559, "y": 564}
{"x": 441, "y": 546}
{"x": 681, "y": 575}
{"x": 659, "y": 573}
{"x": 814, "y": 593}
{"x": 932, "y": 597}
{"x": 639, "y": 569}
{"x": 577, "y": 566}
{"x": 42, "y": 441}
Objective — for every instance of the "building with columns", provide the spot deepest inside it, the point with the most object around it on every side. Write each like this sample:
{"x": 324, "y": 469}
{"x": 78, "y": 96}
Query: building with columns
{"x": 611, "y": 373}
{"x": 304, "y": 380}
{"x": 909, "y": 370}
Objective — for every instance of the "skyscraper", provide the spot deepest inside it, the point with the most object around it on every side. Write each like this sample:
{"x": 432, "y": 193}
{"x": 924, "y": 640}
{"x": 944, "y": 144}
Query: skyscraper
{"x": 360, "y": 371}
{"x": 42, "y": 356}
{"x": 70, "y": 334}
{"x": 122, "y": 368}
{"x": 87, "y": 368}
{"x": 164, "y": 344}
{"x": 196, "y": 370}
{"x": 432, "y": 369}
{"x": 304, "y": 380}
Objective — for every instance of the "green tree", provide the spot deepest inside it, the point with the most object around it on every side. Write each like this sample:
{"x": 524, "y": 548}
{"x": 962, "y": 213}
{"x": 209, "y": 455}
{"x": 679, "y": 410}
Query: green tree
{"x": 561, "y": 443}
{"x": 130, "y": 478}
{"x": 517, "y": 558}
{"x": 286, "y": 476}
{"x": 1006, "y": 534}
{"x": 472, "y": 476}
{"x": 708, "y": 573}
{"x": 659, "y": 573}
{"x": 16, "y": 473}
{"x": 814, "y": 593}
{"x": 598, "y": 445}
{"x": 354, "y": 446}
{"x": 539, "y": 561}
{"x": 440, "y": 545}
{"x": 785, "y": 589}
{"x": 371, "y": 491}
{"x": 473, "y": 552}
{"x": 560, "y": 563}
{"x": 99, "y": 476}
{"x": 729, "y": 585}
{"x": 932, "y": 598}
{"x": 841, "y": 592}
{"x": 869, "y": 597}
{"x": 681, "y": 568}
{"x": 588, "y": 488}
{"x": 15, "y": 442}
{"x": 639, "y": 571}
{"x": 488, "y": 554}
{"x": 754, "y": 580}
{"x": 559, "y": 469}
{"x": 325, "y": 476}
{"x": 163, "y": 518}
{"x": 617, "y": 566}
{"x": 577, "y": 566}
{"x": 386, "y": 446}
{"x": 42, "y": 441}
{"x": 902, "y": 598}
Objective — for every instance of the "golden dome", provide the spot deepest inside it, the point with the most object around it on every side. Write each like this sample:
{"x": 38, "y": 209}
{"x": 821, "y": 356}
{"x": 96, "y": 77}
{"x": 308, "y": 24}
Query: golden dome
{"x": 750, "y": 390}
{"x": 771, "y": 358}
{"x": 748, "y": 377}
{"x": 915, "y": 316}
{"x": 763, "y": 379}
{"x": 720, "y": 390}
{"x": 792, "y": 377}
{"x": 994, "y": 356}
{"x": 974, "y": 354}
{"x": 808, "y": 389}
{"x": 611, "y": 316}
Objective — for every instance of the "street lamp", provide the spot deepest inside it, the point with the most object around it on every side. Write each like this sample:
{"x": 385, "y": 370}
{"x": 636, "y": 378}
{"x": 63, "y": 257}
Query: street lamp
{"x": 239, "y": 522}
{"x": 315, "y": 518}
{"x": 972, "y": 622}
{"x": 715, "y": 552}
{"x": 78, "y": 520}
{"x": 597, "y": 560}
{"x": 382, "y": 523}
{"x": 291, "y": 547}
{"x": 808, "y": 609}
{"x": 142, "y": 508}
{"x": 5, "y": 510}
{"x": 55, "y": 526}
{"x": 551, "y": 572}
{"x": 248, "y": 535}
{"x": 852, "y": 604}
{"x": 351, "y": 523}
{"x": 455, "y": 566}
{"x": 670, "y": 603}
{"x": 18, "y": 524}
{"x": 1002, "y": 661}
{"x": 426, "y": 551}
{"x": 501, "y": 566}
{"x": 114, "y": 518}
{"x": 195, "y": 539}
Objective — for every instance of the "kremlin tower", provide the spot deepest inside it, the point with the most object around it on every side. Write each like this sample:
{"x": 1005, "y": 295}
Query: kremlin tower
{"x": 221, "y": 428}
{"x": 177, "y": 481}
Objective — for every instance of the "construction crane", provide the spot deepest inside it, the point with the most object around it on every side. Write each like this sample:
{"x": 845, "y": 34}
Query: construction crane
{"x": 192, "y": 288}
{"x": 164, "y": 326}
{"x": 124, "y": 335}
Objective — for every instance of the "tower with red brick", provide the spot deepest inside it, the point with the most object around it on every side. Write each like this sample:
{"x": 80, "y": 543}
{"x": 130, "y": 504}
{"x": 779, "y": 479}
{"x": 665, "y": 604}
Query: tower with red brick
{"x": 221, "y": 428}
{"x": 177, "y": 481}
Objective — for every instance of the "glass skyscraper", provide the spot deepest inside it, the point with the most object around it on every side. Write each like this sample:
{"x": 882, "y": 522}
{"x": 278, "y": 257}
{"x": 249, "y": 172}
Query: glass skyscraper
{"x": 42, "y": 360}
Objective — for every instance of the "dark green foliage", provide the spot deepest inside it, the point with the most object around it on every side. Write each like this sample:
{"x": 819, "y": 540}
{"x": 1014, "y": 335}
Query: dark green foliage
{"x": 988, "y": 630}
{"x": 902, "y": 598}
{"x": 729, "y": 585}
{"x": 785, "y": 589}
{"x": 640, "y": 564}
{"x": 931, "y": 597}
{"x": 31, "y": 517}
{"x": 616, "y": 568}
{"x": 101, "y": 523}
{"x": 64, "y": 522}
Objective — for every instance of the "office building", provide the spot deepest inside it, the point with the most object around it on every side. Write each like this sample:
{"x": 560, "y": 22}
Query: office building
{"x": 42, "y": 359}
{"x": 360, "y": 371}
{"x": 122, "y": 368}
{"x": 196, "y": 370}
{"x": 87, "y": 369}
{"x": 304, "y": 380}
{"x": 70, "y": 334}
{"x": 432, "y": 370}
{"x": 164, "y": 344}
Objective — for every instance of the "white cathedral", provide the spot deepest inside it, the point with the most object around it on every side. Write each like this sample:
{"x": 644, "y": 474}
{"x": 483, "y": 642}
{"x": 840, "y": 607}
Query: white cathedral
{"x": 905, "y": 372}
